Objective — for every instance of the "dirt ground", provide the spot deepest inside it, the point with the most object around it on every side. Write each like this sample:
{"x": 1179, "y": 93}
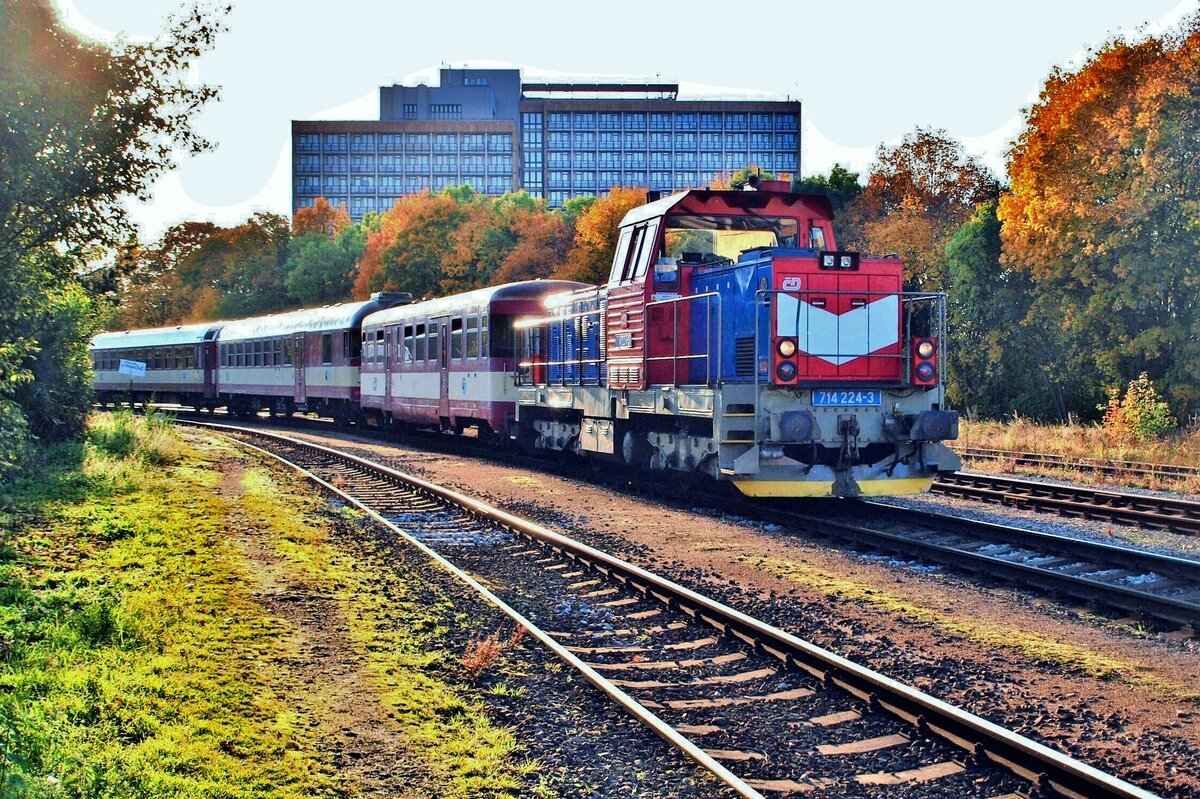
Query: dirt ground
{"x": 1108, "y": 691}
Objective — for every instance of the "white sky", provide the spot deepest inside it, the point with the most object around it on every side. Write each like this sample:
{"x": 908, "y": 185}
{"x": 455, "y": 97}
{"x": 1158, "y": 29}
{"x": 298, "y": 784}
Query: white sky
{"x": 867, "y": 71}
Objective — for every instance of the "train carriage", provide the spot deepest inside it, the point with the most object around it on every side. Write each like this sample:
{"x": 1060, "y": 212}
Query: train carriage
{"x": 180, "y": 365}
{"x": 449, "y": 363}
{"x": 306, "y": 360}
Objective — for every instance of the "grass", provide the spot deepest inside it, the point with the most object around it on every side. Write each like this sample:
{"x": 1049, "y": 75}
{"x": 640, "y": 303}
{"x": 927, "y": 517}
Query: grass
{"x": 398, "y": 633}
{"x": 1089, "y": 441}
{"x": 125, "y": 628}
{"x": 1032, "y": 645}
{"x": 135, "y": 660}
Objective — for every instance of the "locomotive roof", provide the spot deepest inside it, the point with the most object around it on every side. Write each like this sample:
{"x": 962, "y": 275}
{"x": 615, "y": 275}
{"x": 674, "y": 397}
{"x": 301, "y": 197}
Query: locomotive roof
{"x": 660, "y": 207}
{"x": 157, "y": 336}
{"x": 523, "y": 290}
{"x": 342, "y": 316}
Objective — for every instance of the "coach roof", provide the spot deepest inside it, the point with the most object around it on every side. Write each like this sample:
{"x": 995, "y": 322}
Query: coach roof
{"x": 344, "y": 316}
{"x": 158, "y": 336}
{"x": 474, "y": 300}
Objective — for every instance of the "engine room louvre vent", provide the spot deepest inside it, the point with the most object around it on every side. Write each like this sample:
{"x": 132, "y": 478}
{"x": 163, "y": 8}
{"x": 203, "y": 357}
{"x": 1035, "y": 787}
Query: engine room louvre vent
{"x": 744, "y": 356}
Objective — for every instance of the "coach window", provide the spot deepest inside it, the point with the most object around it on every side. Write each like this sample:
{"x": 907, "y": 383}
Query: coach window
{"x": 418, "y": 345}
{"x": 409, "y": 352}
{"x": 456, "y": 339}
{"x": 483, "y": 335}
{"x": 287, "y": 351}
{"x": 278, "y": 355}
{"x": 326, "y": 349}
{"x": 502, "y": 336}
{"x": 433, "y": 355}
{"x": 380, "y": 346}
{"x": 472, "y": 336}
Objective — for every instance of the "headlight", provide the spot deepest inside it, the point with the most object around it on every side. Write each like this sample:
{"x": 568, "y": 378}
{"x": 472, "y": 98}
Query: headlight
{"x": 925, "y": 349}
{"x": 786, "y": 347}
{"x": 785, "y": 371}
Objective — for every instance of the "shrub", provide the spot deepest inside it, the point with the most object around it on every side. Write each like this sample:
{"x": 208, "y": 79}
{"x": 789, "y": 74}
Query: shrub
{"x": 1141, "y": 414}
{"x": 150, "y": 439}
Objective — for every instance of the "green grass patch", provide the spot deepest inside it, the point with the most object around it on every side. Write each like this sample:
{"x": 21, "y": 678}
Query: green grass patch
{"x": 396, "y": 629}
{"x": 133, "y": 663}
{"x": 1032, "y": 645}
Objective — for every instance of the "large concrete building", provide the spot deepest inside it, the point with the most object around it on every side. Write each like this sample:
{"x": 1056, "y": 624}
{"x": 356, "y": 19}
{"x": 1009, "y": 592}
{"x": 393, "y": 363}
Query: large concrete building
{"x": 490, "y": 129}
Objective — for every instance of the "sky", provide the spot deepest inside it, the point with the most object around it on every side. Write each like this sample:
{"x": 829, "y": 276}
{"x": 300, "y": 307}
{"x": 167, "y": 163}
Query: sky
{"x": 866, "y": 71}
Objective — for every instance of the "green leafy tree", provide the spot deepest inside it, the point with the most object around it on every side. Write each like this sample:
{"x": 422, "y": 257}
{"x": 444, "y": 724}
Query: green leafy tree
{"x": 320, "y": 269}
{"x": 841, "y": 186}
{"x": 83, "y": 128}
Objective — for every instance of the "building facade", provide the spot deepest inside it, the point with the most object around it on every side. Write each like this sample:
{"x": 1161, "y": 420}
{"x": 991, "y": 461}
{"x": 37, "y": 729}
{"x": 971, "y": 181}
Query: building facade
{"x": 488, "y": 129}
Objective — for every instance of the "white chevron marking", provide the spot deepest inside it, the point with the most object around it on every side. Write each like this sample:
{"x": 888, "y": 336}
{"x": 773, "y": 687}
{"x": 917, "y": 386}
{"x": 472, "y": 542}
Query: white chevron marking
{"x": 839, "y": 338}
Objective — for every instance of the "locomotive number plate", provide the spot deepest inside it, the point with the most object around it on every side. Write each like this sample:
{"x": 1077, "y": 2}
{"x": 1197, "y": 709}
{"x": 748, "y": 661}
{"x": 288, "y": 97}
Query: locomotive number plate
{"x": 833, "y": 396}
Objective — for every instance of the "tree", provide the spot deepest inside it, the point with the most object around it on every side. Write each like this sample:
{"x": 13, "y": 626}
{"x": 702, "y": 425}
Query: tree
{"x": 841, "y": 186}
{"x": 321, "y": 269}
{"x": 1103, "y": 212}
{"x": 322, "y": 218}
{"x": 918, "y": 193}
{"x": 596, "y": 229}
{"x": 737, "y": 180}
{"x": 407, "y": 251}
{"x": 238, "y": 271}
{"x": 83, "y": 127}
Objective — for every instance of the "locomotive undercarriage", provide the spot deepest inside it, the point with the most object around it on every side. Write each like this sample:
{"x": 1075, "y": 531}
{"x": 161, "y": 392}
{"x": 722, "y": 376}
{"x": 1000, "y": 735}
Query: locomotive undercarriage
{"x": 775, "y": 444}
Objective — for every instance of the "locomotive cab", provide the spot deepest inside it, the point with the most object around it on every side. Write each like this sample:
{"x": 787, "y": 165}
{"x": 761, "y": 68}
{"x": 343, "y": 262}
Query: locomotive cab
{"x": 734, "y": 338}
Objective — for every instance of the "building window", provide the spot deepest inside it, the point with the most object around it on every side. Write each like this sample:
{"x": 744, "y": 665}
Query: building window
{"x": 585, "y": 180}
{"x": 307, "y": 184}
{"x": 710, "y": 121}
{"x": 560, "y": 141}
{"x": 635, "y": 140}
{"x": 445, "y": 111}
{"x": 391, "y": 163}
{"x": 686, "y": 180}
{"x": 685, "y": 160}
{"x": 560, "y": 159}
{"x": 416, "y": 142}
{"x": 500, "y": 164}
{"x": 660, "y": 160}
{"x": 445, "y": 163}
{"x": 610, "y": 160}
{"x": 361, "y": 205}
{"x": 761, "y": 159}
{"x": 760, "y": 141}
{"x": 685, "y": 141}
{"x": 735, "y": 122}
{"x": 332, "y": 183}
{"x": 585, "y": 140}
{"x": 391, "y": 142}
{"x": 308, "y": 163}
{"x": 497, "y": 185}
{"x": 390, "y": 184}
{"x": 334, "y": 142}
{"x": 560, "y": 180}
{"x": 441, "y": 183}
{"x": 585, "y": 159}
{"x": 363, "y": 184}
{"x": 475, "y": 81}
{"x": 711, "y": 162}
{"x": 609, "y": 179}
{"x": 585, "y": 121}
{"x": 610, "y": 140}
{"x": 416, "y": 183}
{"x": 557, "y": 198}
{"x": 660, "y": 121}
{"x": 471, "y": 163}
{"x": 710, "y": 141}
{"x": 362, "y": 163}
{"x": 785, "y": 162}
{"x": 660, "y": 141}
{"x": 363, "y": 142}
{"x": 735, "y": 141}
{"x": 635, "y": 160}
{"x": 416, "y": 163}
{"x": 559, "y": 122}
{"x": 445, "y": 143}
{"x": 472, "y": 142}
{"x": 635, "y": 179}
{"x": 308, "y": 142}
{"x": 760, "y": 122}
{"x": 785, "y": 141}
{"x": 610, "y": 121}
{"x": 685, "y": 121}
{"x": 410, "y": 111}
{"x": 336, "y": 163}
{"x": 501, "y": 143}
{"x": 474, "y": 181}
{"x": 661, "y": 180}
{"x": 635, "y": 121}
{"x": 785, "y": 122}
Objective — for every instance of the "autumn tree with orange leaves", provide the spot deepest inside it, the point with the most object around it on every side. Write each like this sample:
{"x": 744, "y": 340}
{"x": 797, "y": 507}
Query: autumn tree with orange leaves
{"x": 321, "y": 218}
{"x": 595, "y": 242}
{"x": 1104, "y": 213}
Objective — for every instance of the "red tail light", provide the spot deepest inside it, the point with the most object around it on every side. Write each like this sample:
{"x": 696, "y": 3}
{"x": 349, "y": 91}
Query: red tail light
{"x": 925, "y": 362}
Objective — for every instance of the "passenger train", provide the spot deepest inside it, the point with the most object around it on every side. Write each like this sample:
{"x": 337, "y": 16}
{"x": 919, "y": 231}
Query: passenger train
{"x": 732, "y": 340}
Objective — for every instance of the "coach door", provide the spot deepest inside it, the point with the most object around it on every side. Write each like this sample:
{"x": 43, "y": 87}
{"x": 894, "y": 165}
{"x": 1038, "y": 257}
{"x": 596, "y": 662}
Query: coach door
{"x": 388, "y": 361}
{"x": 444, "y": 368}
{"x": 299, "y": 361}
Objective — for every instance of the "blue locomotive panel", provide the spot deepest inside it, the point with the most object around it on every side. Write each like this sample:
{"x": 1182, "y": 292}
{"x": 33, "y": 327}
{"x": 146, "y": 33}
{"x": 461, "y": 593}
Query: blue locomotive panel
{"x": 730, "y": 334}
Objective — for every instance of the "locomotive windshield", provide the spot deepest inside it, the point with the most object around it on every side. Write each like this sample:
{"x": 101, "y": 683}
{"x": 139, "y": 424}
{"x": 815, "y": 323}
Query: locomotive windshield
{"x": 709, "y": 238}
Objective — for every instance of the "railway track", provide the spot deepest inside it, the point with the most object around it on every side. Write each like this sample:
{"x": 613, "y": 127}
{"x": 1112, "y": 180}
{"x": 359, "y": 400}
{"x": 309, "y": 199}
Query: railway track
{"x": 1163, "y": 471}
{"x": 1152, "y": 512}
{"x": 764, "y": 711}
